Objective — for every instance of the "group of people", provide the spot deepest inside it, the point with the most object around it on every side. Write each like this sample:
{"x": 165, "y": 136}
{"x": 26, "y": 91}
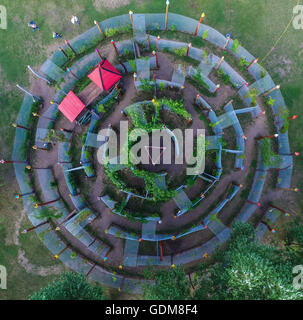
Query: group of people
{"x": 56, "y": 35}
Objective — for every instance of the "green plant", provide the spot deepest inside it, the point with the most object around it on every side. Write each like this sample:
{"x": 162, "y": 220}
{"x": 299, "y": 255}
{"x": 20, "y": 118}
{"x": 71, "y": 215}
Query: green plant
{"x": 146, "y": 85}
{"x": 270, "y": 101}
{"x": 198, "y": 78}
{"x": 223, "y": 76}
{"x": 267, "y": 154}
{"x": 46, "y": 213}
{"x": 205, "y": 56}
{"x": 244, "y": 63}
{"x": 180, "y": 51}
{"x": 132, "y": 63}
{"x": 252, "y": 94}
{"x": 236, "y": 45}
{"x": 101, "y": 108}
{"x": 59, "y": 82}
{"x": 173, "y": 27}
{"x": 54, "y": 184}
{"x": 69, "y": 286}
{"x": 110, "y": 32}
{"x": 176, "y": 106}
{"x": 205, "y": 35}
{"x": 52, "y": 136}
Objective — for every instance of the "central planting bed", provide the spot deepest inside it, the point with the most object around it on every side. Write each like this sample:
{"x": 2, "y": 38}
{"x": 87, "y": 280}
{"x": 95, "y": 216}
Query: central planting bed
{"x": 112, "y": 221}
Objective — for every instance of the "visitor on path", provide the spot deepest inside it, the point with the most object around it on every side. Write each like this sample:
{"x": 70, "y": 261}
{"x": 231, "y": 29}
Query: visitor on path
{"x": 57, "y": 35}
{"x": 32, "y": 25}
{"x": 74, "y": 20}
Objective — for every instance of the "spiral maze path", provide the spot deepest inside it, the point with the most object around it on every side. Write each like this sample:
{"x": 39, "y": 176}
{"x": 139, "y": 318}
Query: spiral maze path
{"x": 121, "y": 219}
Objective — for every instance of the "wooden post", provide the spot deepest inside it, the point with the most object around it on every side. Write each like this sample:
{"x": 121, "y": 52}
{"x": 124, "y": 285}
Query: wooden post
{"x": 68, "y": 44}
{"x": 115, "y": 47}
{"x": 36, "y": 148}
{"x": 122, "y": 64}
{"x": 289, "y": 189}
{"x": 148, "y": 41}
{"x": 276, "y": 135}
{"x": 90, "y": 270}
{"x": 157, "y": 61}
{"x": 157, "y": 43}
{"x": 188, "y": 47}
{"x": 254, "y": 61}
{"x": 131, "y": 19}
{"x": 15, "y": 125}
{"x": 135, "y": 79}
{"x": 99, "y": 54}
{"x": 70, "y": 71}
{"x": 11, "y": 161}
{"x": 226, "y": 43}
{"x": 200, "y": 21}
{"x": 219, "y": 64}
{"x": 166, "y": 14}
{"x": 65, "y": 130}
{"x": 99, "y": 28}
{"x": 271, "y": 90}
{"x": 217, "y": 87}
{"x": 61, "y": 49}
{"x": 18, "y": 195}
{"x": 58, "y": 254}
{"x": 37, "y": 205}
{"x": 33, "y": 228}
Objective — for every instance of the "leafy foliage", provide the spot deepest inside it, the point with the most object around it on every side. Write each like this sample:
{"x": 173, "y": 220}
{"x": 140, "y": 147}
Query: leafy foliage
{"x": 169, "y": 285}
{"x": 252, "y": 93}
{"x": 248, "y": 270}
{"x": 198, "y": 78}
{"x": 205, "y": 35}
{"x": 180, "y": 51}
{"x": 176, "y": 106}
{"x": 236, "y": 45}
{"x": 267, "y": 154}
{"x": 46, "y": 213}
{"x": 69, "y": 286}
{"x": 146, "y": 85}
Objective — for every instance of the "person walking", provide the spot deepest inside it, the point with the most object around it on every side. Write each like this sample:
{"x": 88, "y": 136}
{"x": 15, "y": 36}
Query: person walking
{"x": 75, "y": 20}
{"x": 32, "y": 25}
{"x": 57, "y": 35}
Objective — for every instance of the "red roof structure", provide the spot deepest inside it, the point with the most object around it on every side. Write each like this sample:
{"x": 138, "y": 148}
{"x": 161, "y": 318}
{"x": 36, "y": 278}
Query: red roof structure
{"x": 71, "y": 106}
{"x": 105, "y": 75}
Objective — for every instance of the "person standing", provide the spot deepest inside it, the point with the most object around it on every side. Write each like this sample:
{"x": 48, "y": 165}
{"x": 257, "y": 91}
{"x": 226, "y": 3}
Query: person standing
{"x": 57, "y": 35}
{"x": 74, "y": 20}
{"x": 32, "y": 25}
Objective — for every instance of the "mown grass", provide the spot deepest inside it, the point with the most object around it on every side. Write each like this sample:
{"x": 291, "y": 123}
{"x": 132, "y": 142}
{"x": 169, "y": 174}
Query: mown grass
{"x": 21, "y": 47}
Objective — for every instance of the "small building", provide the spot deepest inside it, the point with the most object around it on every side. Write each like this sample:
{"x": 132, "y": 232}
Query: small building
{"x": 105, "y": 76}
{"x": 72, "y": 107}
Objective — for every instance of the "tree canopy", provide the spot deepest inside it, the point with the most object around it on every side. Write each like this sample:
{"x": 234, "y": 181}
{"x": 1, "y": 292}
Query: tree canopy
{"x": 169, "y": 285}
{"x": 248, "y": 270}
{"x": 245, "y": 270}
{"x": 69, "y": 286}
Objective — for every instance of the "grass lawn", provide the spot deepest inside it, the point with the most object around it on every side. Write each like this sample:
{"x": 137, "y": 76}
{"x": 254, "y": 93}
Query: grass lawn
{"x": 257, "y": 25}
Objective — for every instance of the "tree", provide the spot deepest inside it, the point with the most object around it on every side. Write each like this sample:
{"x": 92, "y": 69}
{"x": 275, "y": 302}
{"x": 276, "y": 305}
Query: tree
{"x": 69, "y": 286}
{"x": 248, "y": 270}
{"x": 294, "y": 239}
{"x": 169, "y": 285}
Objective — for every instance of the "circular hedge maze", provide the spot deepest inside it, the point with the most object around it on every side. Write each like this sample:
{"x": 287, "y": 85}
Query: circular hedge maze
{"x": 111, "y": 221}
